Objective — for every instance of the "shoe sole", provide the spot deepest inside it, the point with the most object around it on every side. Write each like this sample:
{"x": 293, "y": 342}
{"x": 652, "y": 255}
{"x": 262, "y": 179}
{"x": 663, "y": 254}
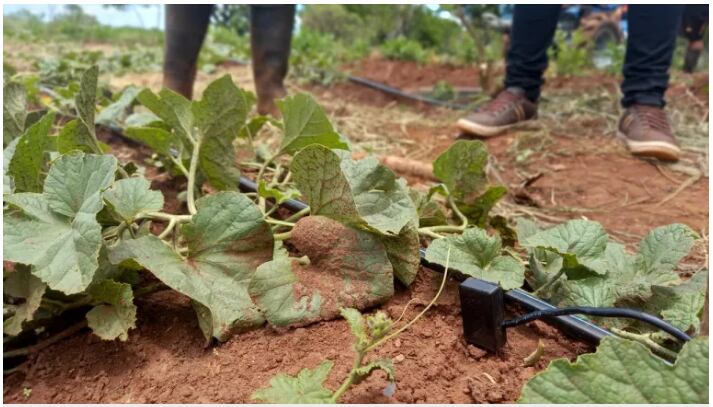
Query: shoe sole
{"x": 480, "y": 129}
{"x": 655, "y": 149}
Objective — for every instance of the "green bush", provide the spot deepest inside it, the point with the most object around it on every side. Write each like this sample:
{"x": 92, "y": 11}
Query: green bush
{"x": 404, "y": 49}
{"x": 570, "y": 57}
{"x": 334, "y": 19}
{"x": 315, "y": 57}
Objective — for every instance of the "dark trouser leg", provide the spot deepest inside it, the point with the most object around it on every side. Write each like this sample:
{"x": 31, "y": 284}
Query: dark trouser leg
{"x": 649, "y": 51}
{"x": 533, "y": 28}
{"x": 186, "y": 25}
{"x": 270, "y": 36}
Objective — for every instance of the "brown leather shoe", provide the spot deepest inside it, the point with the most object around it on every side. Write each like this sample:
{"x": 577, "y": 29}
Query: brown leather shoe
{"x": 509, "y": 107}
{"x": 647, "y": 133}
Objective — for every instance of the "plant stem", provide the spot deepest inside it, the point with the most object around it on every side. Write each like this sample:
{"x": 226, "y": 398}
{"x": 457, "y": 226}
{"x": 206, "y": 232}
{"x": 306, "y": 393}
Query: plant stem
{"x": 463, "y": 218}
{"x": 47, "y": 342}
{"x": 298, "y": 215}
{"x": 180, "y": 166}
{"x": 282, "y": 236}
{"x": 350, "y": 379}
{"x": 646, "y": 341}
{"x": 165, "y": 216}
{"x": 192, "y": 178}
{"x": 169, "y": 228}
{"x": 413, "y": 321}
{"x": 433, "y": 231}
{"x": 428, "y": 232}
{"x": 551, "y": 281}
{"x": 280, "y": 222}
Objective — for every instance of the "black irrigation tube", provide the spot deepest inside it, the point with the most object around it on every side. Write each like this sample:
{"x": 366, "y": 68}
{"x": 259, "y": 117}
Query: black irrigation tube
{"x": 400, "y": 93}
{"x": 574, "y": 326}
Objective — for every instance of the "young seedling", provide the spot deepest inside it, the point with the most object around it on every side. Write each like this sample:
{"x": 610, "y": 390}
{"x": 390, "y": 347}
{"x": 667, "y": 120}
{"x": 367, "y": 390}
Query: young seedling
{"x": 369, "y": 333}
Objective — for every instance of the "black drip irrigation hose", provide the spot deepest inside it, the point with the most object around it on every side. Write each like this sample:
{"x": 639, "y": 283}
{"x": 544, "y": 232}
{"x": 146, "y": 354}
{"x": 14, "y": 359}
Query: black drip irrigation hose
{"x": 601, "y": 312}
{"x": 400, "y": 93}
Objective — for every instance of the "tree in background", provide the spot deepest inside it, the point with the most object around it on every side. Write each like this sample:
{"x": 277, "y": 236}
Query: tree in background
{"x": 235, "y": 17}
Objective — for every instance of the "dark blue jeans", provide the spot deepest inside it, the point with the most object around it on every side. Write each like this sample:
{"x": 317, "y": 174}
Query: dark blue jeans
{"x": 649, "y": 50}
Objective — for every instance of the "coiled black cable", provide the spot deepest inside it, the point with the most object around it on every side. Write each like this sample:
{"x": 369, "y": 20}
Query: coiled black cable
{"x": 601, "y": 312}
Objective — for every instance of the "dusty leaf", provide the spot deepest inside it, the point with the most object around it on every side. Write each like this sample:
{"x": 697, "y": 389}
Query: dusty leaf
{"x": 131, "y": 196}
{"x": 306, "y": 388}
{"x": 115, "y": 313}
{"x": 14, "y": 106}
{"x": 227, "y": 240}
{"x": 115, "y": 113}
{"x": 623, "y": 372}
{"x": 362, "y": 193}
{"x": 476, "y": 254}
{"x": 22, "y": 284}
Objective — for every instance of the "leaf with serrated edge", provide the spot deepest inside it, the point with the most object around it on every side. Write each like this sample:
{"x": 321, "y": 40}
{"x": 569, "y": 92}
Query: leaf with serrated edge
{"x": 384, "y": 364}
{"x": 131, "y": 196}
{"x": 579, "y": 242}
{"x": 227, "y": 240}
{"x": 112, "y": 114}
{"x": 172, "y": 108}
{"x": 476, "y": 254}
{"x": 22, "y": 284}
{"x": 360, "y": 193}
{"x": 272, "y": 287}
{"x": 357, "y": 325}
{"x": 116, "y": 313}
{"x": 306, "y": 388}
{"x": 623, "y": 372}
{"x": 27, "y": 166}
{"x": 61, "y": 242}
{"x": 682, "y": 304}
{"x": 462, "y": 168}
{"x": 14, "y": 107}
{"x": 403, "y": 252}
{"x": 306, "y": 123}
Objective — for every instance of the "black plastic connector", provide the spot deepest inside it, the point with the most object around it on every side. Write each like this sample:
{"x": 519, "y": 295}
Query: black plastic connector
{"x": 482, "y": 309}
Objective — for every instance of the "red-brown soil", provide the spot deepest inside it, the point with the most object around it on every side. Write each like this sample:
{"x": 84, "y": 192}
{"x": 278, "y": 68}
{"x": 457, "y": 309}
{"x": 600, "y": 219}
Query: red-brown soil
{"x": 582, "y": 170}
{"x": 164, "y": 360}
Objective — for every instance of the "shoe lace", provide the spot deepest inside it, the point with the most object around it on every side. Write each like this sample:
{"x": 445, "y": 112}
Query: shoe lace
{"x": 501, "y": 102}
{"x": 653, "y": 117}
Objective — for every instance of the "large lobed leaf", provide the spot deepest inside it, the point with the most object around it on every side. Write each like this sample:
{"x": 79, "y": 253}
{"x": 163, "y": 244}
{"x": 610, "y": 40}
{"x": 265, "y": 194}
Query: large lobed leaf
{"x": 476, "y": 254}
{"x": 227, "y": 240}
{"x": 623, "y": 372}
{"x": 20, "y": 283}
{"x": 347, "y": 268}
{"x": 306, "y": 123}
{"x": 115, "y": 314}
{"x": 56, "y": 231}
{"x": 462, "y": 169}
{"x": 130, "y": 197}
{"x": 27, "y": 163}
{"x": 306, "y": 388}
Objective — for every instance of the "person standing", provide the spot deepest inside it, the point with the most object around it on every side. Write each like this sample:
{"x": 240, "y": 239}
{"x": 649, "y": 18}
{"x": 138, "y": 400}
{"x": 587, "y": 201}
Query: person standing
{"x": 644, "y": 126}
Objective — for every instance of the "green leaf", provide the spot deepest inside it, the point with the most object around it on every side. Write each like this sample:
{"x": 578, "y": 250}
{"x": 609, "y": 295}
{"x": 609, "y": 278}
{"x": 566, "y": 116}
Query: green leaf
{"x": 462, "y": 168}
{"x": 116, "y": 314}
{"x": 596, "y": 291}
{"x": 663, "y": 248}
{"x": 22, "y": 284}
{"x": 172, "y": 108}
{"x": 227, "y": 240}
{"x": 85, "y": 100}
{"x": 384, "y": 364}
{"x": 623, "y": 372}
{"x": 74, "y": 136}
{"x": 358, "y": 327}
{"x": 306, "y": 388}
{"x": 279, "y": 196}
{"x": 131, "y": 196}
{"x": 579, "y": 242}
{"x": 220, "y": 115}
{"x": 27, "y": 166}
{"x": 75, "y": 182}
{"x": 115, "y": 112}
{"x": 272, "y": 286}
{"x": 477, "y": 212}
{"x": 161, "y": 141}
{"x": 476, "y": 254}
{"x": 306, "y": 123}
{"x": 362, "y": 193}
{"x": 682, "y": 304}
{"x": 56, "y": 231}
{"x": 14, "y": 107}
{"x": 403, "y": 252}
{"x": 251, "y": 128}
{"x": 8, "y": 185}
{"x": 430, "y": 213}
